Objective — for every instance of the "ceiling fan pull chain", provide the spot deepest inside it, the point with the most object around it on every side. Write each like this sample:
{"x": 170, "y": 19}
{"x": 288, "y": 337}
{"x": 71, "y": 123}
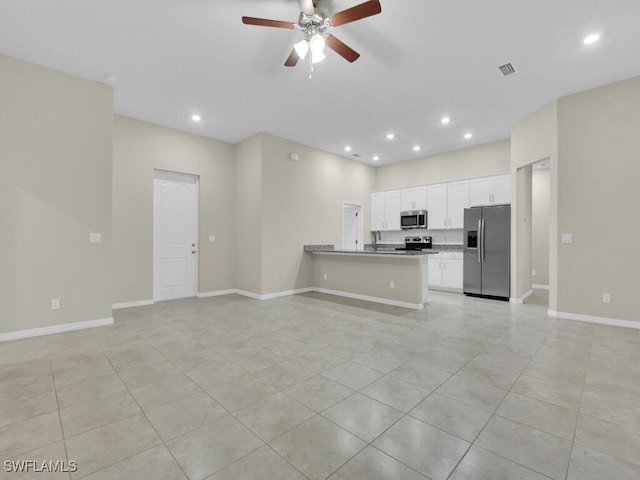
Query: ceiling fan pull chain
{"x": 310, "y": 67}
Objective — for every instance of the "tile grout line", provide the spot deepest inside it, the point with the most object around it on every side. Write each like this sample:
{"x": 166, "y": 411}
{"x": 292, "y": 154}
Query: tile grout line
{"x": 55, "y": 390}
{"x": 575, "y": 427}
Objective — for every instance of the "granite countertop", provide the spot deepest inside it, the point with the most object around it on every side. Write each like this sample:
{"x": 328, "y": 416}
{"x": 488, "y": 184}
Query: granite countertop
{"x": 368, "y": 250}
{"x": 448, "y": 247}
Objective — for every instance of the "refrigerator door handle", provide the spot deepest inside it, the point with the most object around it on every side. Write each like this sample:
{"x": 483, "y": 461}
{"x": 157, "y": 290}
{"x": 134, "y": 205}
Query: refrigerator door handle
{"x": 479, "y": 246}
{"x": 482, "y": 240}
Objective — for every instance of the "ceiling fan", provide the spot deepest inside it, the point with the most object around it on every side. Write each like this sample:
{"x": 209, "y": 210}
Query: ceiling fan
{"x": 315, "y": 25}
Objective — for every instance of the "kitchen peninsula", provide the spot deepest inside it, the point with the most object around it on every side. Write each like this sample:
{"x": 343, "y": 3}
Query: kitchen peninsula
{"x": 383, "y": 275}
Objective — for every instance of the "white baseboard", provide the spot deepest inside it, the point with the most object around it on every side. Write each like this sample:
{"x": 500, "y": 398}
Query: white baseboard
{"x": 357, "y": 296}
{"x": 521, "y": 300}
{"x": 269, "y": 296}
{"x": 540, "y": 287}
{"x": 217, "y": 293}
{"x": 286, "y": 293}
{"x": 53, "y": 329}
{"x": 139, "y": 303}
{"x": 594, "y": 319}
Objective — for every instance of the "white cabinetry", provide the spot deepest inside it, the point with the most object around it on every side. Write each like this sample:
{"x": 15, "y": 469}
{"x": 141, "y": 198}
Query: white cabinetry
{"x": 446, "y": 203}
{"x": 452, "y": 270}
{"x": 414, "y": 198}
{"x": 491, "y": 190}
{"x": 437, "y": 206}
{"x": 502, "y": 189}
{"x": 457, "y": 201}
{"x": 385, "y": 210}
{"x": 446, "y": 271}
{"x": 435, "y": 270}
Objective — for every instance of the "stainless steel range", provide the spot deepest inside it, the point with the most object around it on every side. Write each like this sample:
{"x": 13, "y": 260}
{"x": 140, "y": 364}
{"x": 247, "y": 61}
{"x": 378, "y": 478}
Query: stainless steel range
{"x": 416, "y": 243}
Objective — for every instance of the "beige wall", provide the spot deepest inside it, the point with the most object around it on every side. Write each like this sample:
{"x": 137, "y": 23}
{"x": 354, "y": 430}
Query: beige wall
{"x": 370, "y": 276}
{"x": 533, "y": 139}
{"x": 55, "y": 189}
{"x": 488, "y": 159}
{"x": 540, "y": 226}
{"x": 248, "y": 211}
{"x": 522, "y": 218}
{"x": 598, "y": 198}
{"x": 302, "y": 204}
{"x": 138, "y": 149}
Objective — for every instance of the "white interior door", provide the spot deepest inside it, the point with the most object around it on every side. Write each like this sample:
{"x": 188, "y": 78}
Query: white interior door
{"x": 175, "y": 204}
{"x": 352, "y": 227}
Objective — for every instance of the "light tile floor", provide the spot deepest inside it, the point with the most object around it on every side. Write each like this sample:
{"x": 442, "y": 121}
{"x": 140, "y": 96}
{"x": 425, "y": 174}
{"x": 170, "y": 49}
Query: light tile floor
{"x": 313, "y": 386}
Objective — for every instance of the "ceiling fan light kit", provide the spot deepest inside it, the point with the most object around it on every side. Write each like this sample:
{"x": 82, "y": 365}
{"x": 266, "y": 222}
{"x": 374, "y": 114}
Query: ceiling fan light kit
{"x": 315, "y": 25}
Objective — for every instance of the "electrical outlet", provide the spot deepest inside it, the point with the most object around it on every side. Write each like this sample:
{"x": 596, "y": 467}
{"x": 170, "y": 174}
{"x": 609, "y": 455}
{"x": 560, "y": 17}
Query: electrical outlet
{"x": 95, "y": 238}
{"x": 55, "y": 304}
{"x": 533, "y": 273}
{"x": 392, "y": 284}
{"x": 212, "y": 238}
{"x": 606, "y": 298}
{"x": 567, "y": 238}
{"x": 324, "y": 275}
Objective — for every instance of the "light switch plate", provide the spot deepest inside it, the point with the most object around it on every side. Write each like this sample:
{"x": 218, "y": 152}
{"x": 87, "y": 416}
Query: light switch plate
{"x": 567, "y": 238}
{"x": 95, "y": 238}
{"x": 212, "y": 238}
{"x": 55, "y": 304}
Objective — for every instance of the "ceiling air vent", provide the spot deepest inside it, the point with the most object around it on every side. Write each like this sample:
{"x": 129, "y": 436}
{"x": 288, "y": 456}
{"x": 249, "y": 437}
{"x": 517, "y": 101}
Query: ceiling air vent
{"x": 507, "y": 69}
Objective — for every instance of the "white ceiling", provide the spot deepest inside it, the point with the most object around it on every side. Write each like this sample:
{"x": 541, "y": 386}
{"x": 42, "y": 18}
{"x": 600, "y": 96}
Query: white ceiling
{"x": 421, "y": 59}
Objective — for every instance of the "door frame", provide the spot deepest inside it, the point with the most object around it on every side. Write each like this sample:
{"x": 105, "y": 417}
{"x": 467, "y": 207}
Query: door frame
{"x": 159, "y": 173}
{"x": 359, "y": 226}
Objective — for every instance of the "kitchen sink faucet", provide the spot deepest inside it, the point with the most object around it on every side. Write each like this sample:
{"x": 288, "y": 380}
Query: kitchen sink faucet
{"x": 376, "y": 236}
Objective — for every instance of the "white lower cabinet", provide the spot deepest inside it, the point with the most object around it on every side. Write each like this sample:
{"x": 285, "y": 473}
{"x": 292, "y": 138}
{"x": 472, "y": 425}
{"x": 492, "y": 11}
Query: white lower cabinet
{"x": 452, "y": 270}
{"x": 435, "y": 270}
{"x": 446, "y": 270}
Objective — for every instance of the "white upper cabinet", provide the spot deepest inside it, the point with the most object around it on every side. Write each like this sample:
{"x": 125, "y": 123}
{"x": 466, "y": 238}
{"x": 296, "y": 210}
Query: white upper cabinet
{"x": 392, "y": 209}
{"x": 437, "y": 206}
{"x": 385, "y": 210}
{"x": 491, "y": 190}
{"x": 502, "y": 189}
{"x": 414, "y": 198}
{"x": 377, "y": 211}
{"x": 481, "y": 190}
{"x": 457, "y": 201}
{"x": 446, "y": 203}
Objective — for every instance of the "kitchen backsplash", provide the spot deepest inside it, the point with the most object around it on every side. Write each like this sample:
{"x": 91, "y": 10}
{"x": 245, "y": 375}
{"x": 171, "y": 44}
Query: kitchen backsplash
{"x": 441, "y": 237}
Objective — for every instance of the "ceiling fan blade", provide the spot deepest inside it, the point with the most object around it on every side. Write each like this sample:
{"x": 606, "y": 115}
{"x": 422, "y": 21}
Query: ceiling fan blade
{"x": 306, "y": 7}
{"x": 364, "y": 10}
{"x": 341, "y": 49}
{"x": 293, "y": 59}
{"x": 263, "y": 22}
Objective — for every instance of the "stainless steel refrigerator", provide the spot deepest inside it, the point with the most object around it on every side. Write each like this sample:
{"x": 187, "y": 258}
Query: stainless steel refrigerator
{"x": 487, "y": 233}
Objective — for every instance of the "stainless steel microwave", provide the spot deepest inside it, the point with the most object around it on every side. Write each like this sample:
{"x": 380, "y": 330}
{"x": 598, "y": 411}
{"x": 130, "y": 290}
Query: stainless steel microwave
{"x": 413, "y": 219}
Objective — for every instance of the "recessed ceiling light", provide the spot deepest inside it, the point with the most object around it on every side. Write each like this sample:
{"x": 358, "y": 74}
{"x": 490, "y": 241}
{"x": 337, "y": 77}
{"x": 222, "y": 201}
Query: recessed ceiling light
{"x": 445, "y": 120}
{"x": 591, "y": 39}
{"x": 347, "y": 148}
{"x": 391, "y": 136}
{"x": 416, "y": 148}
{"x": 467, "y": 136}
{"x": 195, "y": 118}
{"x": 376, "y": 158}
